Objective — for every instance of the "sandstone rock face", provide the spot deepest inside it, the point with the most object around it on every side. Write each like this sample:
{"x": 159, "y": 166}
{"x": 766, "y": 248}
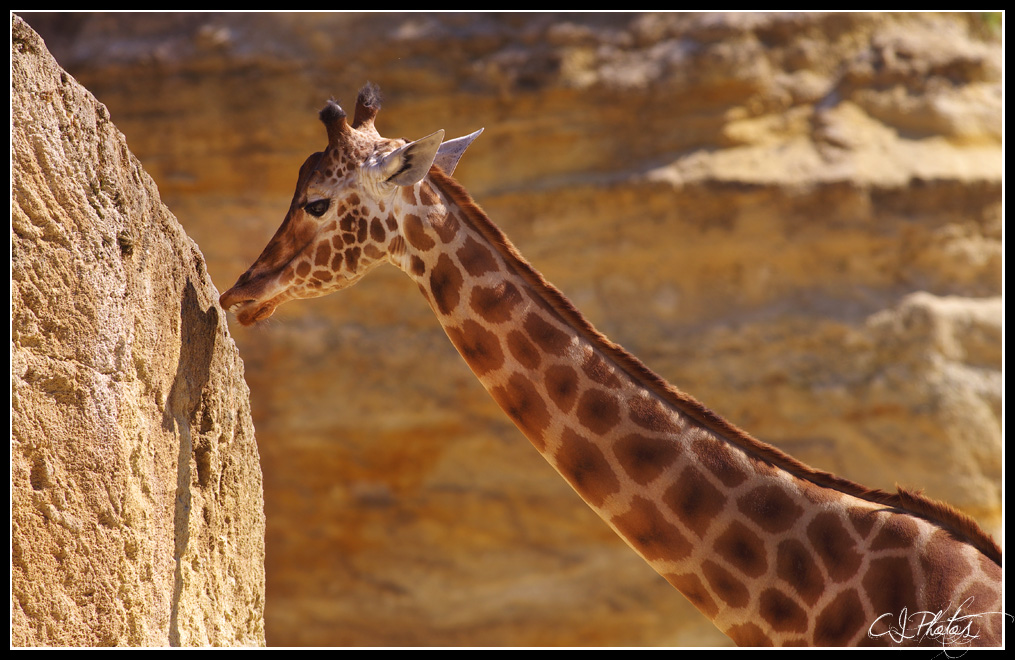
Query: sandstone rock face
{"x": 795, "y": 218}
{"x": 136, "y": 498}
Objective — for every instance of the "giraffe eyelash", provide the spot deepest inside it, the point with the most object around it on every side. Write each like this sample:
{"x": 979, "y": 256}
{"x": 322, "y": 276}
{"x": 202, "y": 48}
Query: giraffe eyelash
{"x": 317, "y": 208}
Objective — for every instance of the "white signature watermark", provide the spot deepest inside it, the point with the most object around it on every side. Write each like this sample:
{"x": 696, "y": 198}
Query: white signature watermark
{"x": 960, "y": 628}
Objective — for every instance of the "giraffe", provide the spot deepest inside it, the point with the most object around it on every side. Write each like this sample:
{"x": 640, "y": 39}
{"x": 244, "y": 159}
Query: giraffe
{"x": 771, "y": 550}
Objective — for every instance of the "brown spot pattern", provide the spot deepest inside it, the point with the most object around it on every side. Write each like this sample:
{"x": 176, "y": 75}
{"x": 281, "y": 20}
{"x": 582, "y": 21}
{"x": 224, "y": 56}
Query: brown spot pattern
{"x": 760, "y": 465}
{"x": 743, "y": 549}
{"x": 862, "y": 519}
{"x": 396, "y": 247}
{"x": 748, "y": 634}
{"x": 523, "y": 350}
{"x": 475, "y": 258}
{"x": 695, "y": 500}
{"x": 645, "y": 458}
{"x": 446, "y": 284}
{"x": 650, "y": 533}
{"x": 598, "y": 411}
{"x": 983, "y": 599}
{"x": 649, "y": 414}
{"x": 940, "y": 552}
{"x": 719, "y": 460}
{"x": 480, "y": 347}
{"x": 377, "y": 232}
{"x": 897, "y": 532}
{"x": 781, "y": 612}
{"x": 445, "y": 224}
{"x": 834, "y": 546}
{"x": 770, "y": 508}
{"x": 415, "y": 234}
{"x": 814, "y": 493}
{"x": 794, "y": 564}
{"x": 322, "y": 254}
{"x": 545, "y": 335}
{"x": 989, "y": 568}
{"x": 562, "y": 385}
{"x": 522, "y": 403}
{"x": 427, "y": 196}
{"x": 840, "y": 621}
{"x": 495, "y": 304}
{"x": 726, "y": 586}
{"x": 694, "y": 590}
{"x": 890, "y": 585}
{"x": 583, "y": 465}
{"x": 598, "y": 371}
{"x": 352, "y": 259}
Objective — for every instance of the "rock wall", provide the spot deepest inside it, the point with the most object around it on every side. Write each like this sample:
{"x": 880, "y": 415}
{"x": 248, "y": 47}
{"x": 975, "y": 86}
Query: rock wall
{"x": 794, "y": 217}
{"x": 136, "y": 503}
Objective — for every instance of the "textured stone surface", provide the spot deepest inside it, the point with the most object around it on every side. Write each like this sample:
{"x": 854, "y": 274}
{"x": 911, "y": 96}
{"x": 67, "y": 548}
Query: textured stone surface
{"x": 796, "y": 218}
{"x": 136, "y": 502}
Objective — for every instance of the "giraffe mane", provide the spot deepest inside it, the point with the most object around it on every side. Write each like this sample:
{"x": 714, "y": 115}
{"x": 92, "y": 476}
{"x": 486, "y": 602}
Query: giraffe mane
{"x": 909, "y": 501}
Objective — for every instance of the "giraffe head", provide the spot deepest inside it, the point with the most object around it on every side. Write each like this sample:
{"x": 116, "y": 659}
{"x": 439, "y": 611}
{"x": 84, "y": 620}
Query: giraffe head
{"x": 340, "y": 222}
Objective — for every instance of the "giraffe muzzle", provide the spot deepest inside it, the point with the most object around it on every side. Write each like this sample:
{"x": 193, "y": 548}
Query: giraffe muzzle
{"x": 247, "y": 310}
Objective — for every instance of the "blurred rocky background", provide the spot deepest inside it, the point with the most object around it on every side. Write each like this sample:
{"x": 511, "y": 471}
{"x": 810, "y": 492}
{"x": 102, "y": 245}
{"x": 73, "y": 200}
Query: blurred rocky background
{"x": 796, "y": 218}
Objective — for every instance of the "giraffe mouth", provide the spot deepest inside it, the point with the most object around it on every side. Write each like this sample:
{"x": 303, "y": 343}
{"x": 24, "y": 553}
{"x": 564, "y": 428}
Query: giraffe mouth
{"x": 247, "y": 311}
{"x": 250, "y": 313}
{"x": 246, "y": 299}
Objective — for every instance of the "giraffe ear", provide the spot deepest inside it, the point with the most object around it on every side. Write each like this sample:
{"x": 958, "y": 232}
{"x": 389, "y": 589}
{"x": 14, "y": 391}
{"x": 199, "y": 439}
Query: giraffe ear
{"x": 407, "y": 165}
{"x": 452, "y": 150}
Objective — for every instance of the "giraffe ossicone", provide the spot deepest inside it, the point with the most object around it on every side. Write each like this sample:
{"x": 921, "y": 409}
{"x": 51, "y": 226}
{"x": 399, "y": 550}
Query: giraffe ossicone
{"x": 771, "y": 550}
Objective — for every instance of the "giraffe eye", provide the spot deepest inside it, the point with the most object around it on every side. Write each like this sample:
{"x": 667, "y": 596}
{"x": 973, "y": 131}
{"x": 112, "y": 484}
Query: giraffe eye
{"x": 317, "y": 208}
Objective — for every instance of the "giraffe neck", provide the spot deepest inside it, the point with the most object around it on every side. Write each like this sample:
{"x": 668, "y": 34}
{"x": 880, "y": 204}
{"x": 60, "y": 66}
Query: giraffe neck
{"x": 769, "y": 549}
